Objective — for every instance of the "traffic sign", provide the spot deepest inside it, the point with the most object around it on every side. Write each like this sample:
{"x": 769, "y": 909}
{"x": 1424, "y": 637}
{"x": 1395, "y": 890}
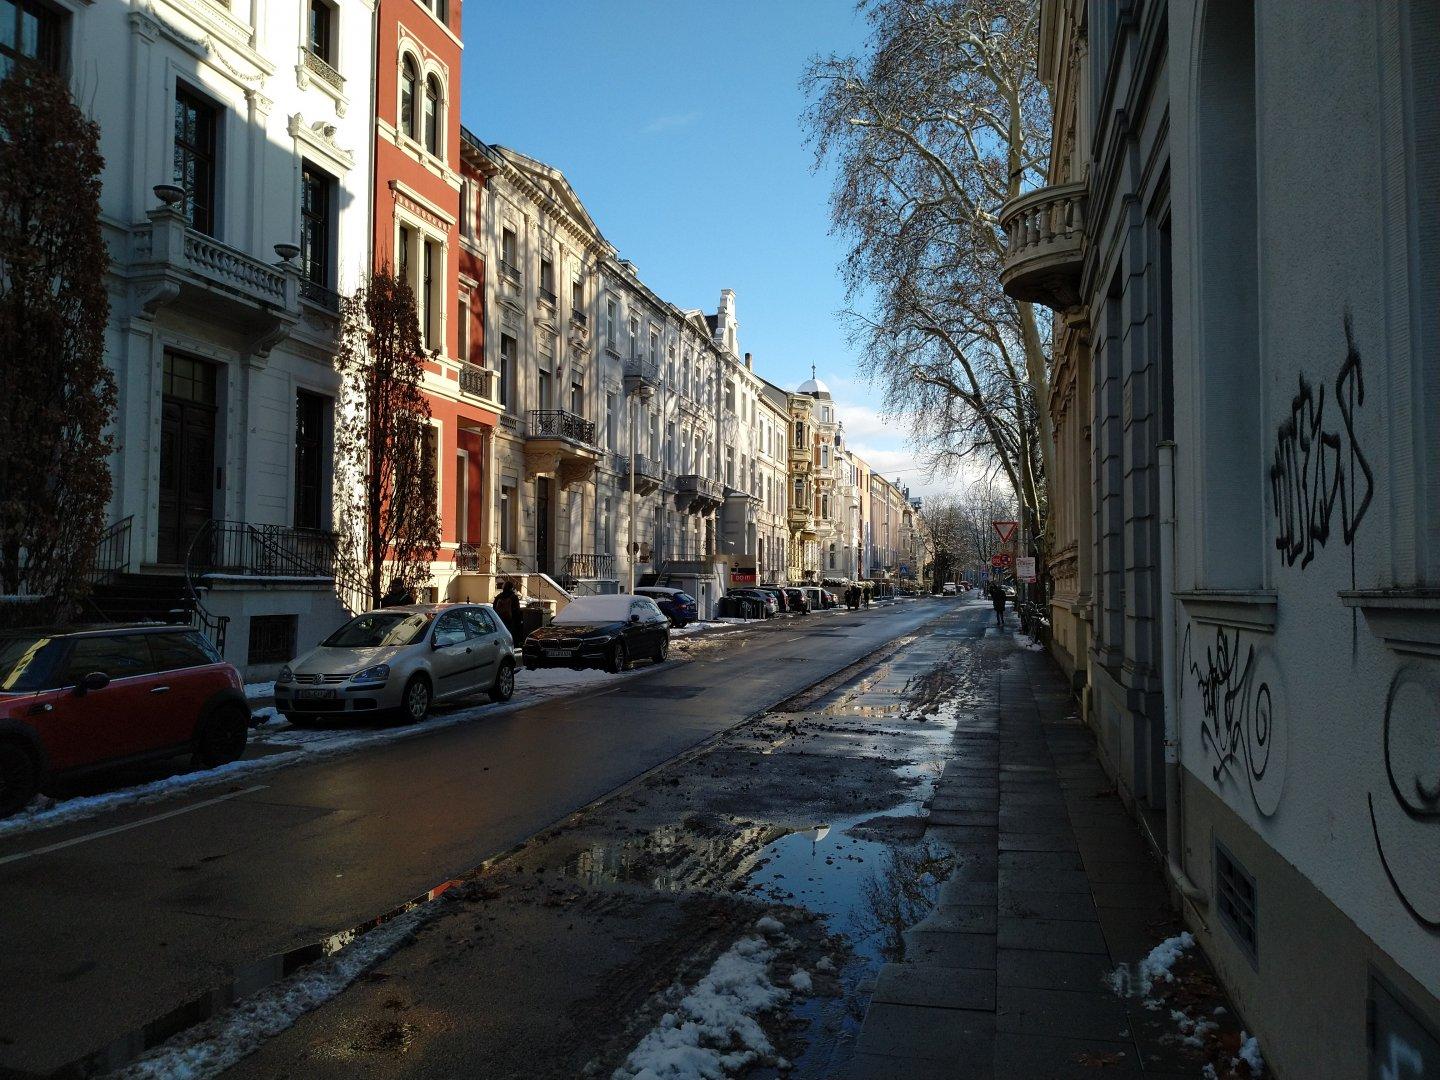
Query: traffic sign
{"x": 1005, "y": 530}
{"x": 1002, "y": 560}
{"x": 1025, "y": 569}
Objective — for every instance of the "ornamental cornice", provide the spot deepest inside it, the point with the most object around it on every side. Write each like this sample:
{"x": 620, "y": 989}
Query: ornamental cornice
{"x": 220, "y": 35}
{"x": 319, "y": 136}
{"x": 589, "y": 243}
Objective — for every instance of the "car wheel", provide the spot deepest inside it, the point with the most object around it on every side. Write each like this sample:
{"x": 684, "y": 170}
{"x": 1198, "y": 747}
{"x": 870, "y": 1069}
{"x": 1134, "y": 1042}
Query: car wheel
{"x": 617, "y": 659}
{"x": 662, "y": 650}
{"x": 415, "y": 701}
{"x": 221, "y": 736}
{"x": 504, "y": 687}
{"x": 19, "y": 776}
{"x": 680, "y": 624}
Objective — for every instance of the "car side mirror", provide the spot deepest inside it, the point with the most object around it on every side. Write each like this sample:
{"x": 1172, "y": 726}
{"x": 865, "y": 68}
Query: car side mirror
{"x": 435, "y": 643}
{"x": 634, "y": 618}
{"x": 96, "y": 680}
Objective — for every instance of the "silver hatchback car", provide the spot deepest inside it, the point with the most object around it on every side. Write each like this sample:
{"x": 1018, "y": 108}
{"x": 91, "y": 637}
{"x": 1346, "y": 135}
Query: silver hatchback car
{"x": 400, "y": 658}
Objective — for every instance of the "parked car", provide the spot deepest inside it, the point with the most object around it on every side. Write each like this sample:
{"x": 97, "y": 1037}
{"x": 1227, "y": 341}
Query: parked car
{"x": 81, "y": 699}
{"x": 782, "y": 602}
{"x": 799, "y": 602}
{"x": 763, "y": 604}
{"x": 402, "y": 658}
{"x": 608, "y": 632}
{"x": 818, "y": 598}
{"x": 678, "y": 606}
{"x": 949, "y": 589}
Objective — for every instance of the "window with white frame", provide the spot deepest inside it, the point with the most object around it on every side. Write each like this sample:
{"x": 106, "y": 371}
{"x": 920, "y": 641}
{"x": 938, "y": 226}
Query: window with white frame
{"x": 612, "y": 321}
{"x": 409, "y": 92}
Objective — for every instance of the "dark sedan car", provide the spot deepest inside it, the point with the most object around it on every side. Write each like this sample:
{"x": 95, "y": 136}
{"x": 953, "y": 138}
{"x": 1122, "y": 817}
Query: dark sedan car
{"x": 799, "y": 602}
{"x": 608, "y": 632}
{"x": 755, "y": 603}
{"x": 678, "y": 606}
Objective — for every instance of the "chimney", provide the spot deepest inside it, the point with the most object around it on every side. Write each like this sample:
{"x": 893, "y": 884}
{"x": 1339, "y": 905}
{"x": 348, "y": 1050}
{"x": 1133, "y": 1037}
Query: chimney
{"x": 749, "y": 366}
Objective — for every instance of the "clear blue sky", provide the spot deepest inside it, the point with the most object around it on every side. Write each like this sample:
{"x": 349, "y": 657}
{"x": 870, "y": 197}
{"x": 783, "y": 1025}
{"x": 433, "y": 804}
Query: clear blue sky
{"x": 678, "y": 124}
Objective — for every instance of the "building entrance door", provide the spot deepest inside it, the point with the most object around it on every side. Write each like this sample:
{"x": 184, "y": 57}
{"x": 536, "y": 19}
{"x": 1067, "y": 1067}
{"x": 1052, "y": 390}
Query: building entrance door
{"x": 187, "y": 455}
{"x": 543, "y": 554}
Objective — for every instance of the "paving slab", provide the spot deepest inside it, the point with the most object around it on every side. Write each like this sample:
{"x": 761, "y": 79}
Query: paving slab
{"x": 947, "y": 949}
{"x": 1052, "y": 935}
{"x": 918, "y": 1031}
{"x": 936, "y": 987}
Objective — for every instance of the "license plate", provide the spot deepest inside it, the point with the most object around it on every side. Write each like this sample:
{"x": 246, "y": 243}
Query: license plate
{"x": 559, "y": 652}
{"x": 313, "y": 695}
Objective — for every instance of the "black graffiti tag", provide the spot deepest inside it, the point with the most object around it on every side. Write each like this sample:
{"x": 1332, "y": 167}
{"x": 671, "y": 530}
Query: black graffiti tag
{"x": 1238, "y": 722}
{"x": 1315, "y": 470}
{"x": 1417, "y": 796}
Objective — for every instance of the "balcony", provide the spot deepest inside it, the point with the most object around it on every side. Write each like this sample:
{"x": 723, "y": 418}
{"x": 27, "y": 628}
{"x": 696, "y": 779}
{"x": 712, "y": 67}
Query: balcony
{"x": 801, "y": 456}
{"x": 648, "y": 473}
{"x": 480, "y": 382}
{"x": 587, "y": 566}
{"x": 579, "y": 329}
{"x": 801, "y": 519}
{"x": 641, "y": 375}
{"x": 1045, "y": 246}
{"x": 173, "y": 265}
{"x": 322, "y": 70}
{"x": 327, "y": 300}
{"x": 560, "y": 444}
{"x": 696, "y": 494}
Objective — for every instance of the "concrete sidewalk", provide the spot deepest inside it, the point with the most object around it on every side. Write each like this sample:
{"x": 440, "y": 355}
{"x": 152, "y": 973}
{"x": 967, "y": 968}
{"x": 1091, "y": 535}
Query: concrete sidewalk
{"x": 1010, "y": 974}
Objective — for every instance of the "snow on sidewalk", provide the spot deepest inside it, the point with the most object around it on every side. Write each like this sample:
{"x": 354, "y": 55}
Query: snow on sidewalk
{"x": 714, "y": 1031}
{"x": 531, "y": 688}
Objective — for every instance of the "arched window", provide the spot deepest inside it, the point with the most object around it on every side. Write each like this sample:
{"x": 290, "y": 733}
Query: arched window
{"x": 409, "y": 82}
{"x": 432, "y": 115}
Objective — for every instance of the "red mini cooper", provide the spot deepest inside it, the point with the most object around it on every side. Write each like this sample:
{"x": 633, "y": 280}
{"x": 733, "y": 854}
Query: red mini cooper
{"x": 76, "y": 700}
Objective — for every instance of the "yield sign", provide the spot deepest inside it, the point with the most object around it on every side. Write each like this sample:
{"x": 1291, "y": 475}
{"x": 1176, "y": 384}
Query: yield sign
{"x": 1005, "y": 530}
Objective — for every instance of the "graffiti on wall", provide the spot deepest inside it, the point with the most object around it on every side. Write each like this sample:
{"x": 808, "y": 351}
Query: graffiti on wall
{"x": 1317, "y": 471}
{"x": 1238, "y": 715}
{"x": 1407, "y": 825}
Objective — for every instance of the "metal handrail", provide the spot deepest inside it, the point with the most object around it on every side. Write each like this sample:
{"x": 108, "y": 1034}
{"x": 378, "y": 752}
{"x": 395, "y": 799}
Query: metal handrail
{"x": 201, "y": 618}
{"x": 112, "y": 551}
{"x": 469, "y": 558}
{"x": 588, "y": 565}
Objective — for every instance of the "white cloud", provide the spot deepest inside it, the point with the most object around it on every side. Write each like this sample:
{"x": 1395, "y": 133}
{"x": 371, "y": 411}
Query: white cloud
{"x": 670, "y": 122}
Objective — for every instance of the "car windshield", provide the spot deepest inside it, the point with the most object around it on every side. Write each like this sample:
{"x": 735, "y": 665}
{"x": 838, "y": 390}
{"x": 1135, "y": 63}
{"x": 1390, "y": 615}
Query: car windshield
{"x": 379, "y": 629}
{"x": 22, "y": 659}
{"x": 595, "y": 609}
{"x": 684, "y": 598}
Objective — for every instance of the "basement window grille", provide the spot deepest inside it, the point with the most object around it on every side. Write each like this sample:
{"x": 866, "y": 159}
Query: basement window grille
{"x": 272, "y": 638}
{"x": 1237, "y": 899}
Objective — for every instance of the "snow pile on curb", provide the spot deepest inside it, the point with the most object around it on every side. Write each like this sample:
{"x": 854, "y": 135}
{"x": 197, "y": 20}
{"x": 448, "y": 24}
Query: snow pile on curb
{"x": 712, "y": 1032}
{"x": 1025, "y": 641}
{"x": 213, "y": 1046}
{"x": 255, "y": 690}
{"x": 1141, "y": 979}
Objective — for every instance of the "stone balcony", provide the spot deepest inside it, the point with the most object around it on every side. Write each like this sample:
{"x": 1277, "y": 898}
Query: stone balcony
{"x": 482, "y": 384}
{"x": 801, "y": 519}
{"x": 172, "y": 265}
{"x": 648, "y": 473}
{"x": 1045, "y": 246}
{"x": 560, "y": 444}
{"x": 642, "y": 376}
{"x": 801, "y": 456}
{"x": 696, "y": 494}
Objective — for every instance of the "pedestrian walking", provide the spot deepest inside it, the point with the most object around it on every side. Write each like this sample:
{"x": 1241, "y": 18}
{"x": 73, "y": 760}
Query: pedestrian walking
{"x": 997, "y": 597}
{"x": 507, "y": 606}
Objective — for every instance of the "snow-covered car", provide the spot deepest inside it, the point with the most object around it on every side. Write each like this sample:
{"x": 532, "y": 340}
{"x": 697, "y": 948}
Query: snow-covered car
{"x": 400, "y": 658}
{"x": 602, "y": 632}
{"x": 949, "y": 589}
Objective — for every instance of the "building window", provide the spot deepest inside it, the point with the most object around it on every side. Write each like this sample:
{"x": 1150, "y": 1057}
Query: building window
{"x": 508, "y": 503}
{"x": 195, "y": 124}
{"x": 409, "y": 85}
{"x": 547, "y": 280}
{"x": 729, "y": 397}
{"x": 272, "y": 637}
{"x": 467, "y": 199}
{"x": 429, "y": 309}
{"x": 432, "y": 115}
{"x": 316, "y": 208}
{"x": 1238, "y": 903}
{"x": 577, "y": 297}
{"x": 322, "y": 40}
{"x": 730, "y": 466}
{"x": 462, "y": 332}
{"x": 655, "y": 347}
{"x": 510, "y": 255}
{"x": 611, "y": 421}
{"x": 462, "y": 496}
{"x": 311, "y": 432}
{"x": 577, "y": 395}
{"x": 612, "y": 321}
{"x": 507, "y": 369}
{"x": 30, "y": 31}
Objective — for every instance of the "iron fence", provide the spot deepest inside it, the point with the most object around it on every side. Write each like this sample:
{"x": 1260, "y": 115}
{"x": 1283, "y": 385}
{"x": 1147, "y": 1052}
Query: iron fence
{"x": 559, "y": 424}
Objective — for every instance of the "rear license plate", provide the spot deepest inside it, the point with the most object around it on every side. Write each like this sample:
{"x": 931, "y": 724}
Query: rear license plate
{"x": 560, "y": 652}
{"x": 313, "y": 695}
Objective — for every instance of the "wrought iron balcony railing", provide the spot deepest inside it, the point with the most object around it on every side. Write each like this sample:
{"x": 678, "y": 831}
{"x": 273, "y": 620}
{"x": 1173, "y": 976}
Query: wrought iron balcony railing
{"x": 559, "y": 424}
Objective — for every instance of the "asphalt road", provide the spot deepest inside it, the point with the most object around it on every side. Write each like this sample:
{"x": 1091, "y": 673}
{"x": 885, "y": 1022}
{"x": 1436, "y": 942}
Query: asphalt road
{"x": 104, "y": 936}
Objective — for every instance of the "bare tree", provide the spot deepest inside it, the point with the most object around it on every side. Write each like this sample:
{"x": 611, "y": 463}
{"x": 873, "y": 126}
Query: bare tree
{"x": 941, "y": 121}
{"x": 386, "y": 472}
{"x": 962, "y": 528}
{"x": 56, "y": 394}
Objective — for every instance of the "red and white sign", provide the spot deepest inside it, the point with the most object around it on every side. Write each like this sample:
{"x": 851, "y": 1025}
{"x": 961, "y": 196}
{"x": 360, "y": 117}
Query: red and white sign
{"x": 1005, "y": 530}
{"x": 1002, "y": 560}
{"x": 1025, "y": 569}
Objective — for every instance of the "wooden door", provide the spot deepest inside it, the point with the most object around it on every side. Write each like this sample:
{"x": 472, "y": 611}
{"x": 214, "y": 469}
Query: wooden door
{"x": 187, "y": 455}
{"x": 542, "y": 525}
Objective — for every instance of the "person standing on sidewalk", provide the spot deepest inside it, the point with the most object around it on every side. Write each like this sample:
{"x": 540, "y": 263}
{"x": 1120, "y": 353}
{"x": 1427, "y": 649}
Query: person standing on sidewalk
{"x": 507, "y": 606}
{"x": 997, "y": 597}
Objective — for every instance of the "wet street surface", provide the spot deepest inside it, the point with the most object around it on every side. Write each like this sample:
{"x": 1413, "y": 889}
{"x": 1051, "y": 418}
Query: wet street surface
{"x": 124, "y": 927}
